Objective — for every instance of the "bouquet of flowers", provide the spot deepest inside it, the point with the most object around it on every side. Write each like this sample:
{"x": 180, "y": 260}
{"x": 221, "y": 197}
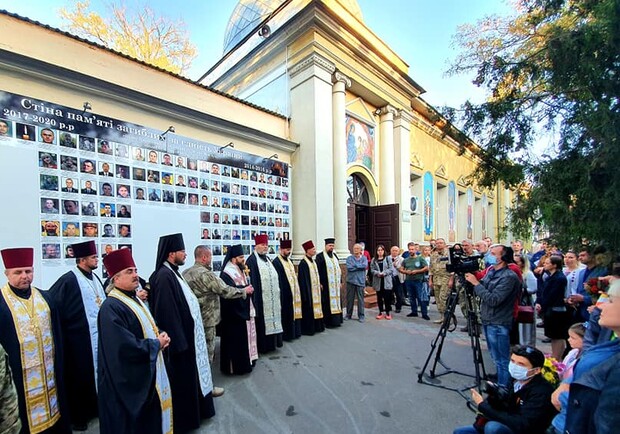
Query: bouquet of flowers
{"x": 595, "y": 287}
{"x": 552, "y": 370}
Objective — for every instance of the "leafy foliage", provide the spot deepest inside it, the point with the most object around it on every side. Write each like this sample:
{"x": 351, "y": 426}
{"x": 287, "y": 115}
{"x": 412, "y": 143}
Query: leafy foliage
{"x": 138, "y": 33}
{"x": 551, "y": 70}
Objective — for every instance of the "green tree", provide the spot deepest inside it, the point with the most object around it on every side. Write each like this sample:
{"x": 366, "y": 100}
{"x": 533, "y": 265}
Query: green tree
{"x": 141, "y": 34}
{"x": 551, "y": 70}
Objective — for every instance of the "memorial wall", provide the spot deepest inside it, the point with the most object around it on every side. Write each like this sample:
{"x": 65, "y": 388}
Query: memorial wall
{"x": 71, "y": 175}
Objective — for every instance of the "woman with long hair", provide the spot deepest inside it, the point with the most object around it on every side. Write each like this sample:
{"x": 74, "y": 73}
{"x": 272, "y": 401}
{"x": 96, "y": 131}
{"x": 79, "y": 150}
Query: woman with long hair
{"x": 552, "y": 306}
{"x": 572, "y": 269}
{"x": 527, "y": 332}
{"x": 382, "y": 270}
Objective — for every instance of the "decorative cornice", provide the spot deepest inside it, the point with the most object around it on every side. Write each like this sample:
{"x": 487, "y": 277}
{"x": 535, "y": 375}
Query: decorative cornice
{"x": 309, "y": 61}
{"x": 404, "y": 115}
{"x": 388, "y": 109}
{"x": 340, "y": 77}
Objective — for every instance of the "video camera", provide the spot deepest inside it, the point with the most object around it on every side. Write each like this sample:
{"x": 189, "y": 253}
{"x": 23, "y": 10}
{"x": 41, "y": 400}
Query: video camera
{"x": 459, "y": 262}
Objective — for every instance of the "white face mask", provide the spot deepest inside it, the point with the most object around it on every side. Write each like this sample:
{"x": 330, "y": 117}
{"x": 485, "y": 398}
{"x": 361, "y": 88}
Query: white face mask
{"x": 518, "y": 372}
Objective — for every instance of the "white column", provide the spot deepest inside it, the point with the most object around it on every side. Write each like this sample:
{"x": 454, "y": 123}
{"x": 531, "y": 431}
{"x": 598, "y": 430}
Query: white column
{"x": 312, "y": 185}
{"x": 341, "y": 229}
{"x": 402, "y": 171}
{"x": 387, "y": 192}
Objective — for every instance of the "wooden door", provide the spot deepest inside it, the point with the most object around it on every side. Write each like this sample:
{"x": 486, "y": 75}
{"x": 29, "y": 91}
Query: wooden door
{"x": 384, "y": 227}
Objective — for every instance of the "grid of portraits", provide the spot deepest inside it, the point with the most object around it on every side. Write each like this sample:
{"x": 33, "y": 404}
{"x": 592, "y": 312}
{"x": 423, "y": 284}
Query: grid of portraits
{"x": 89, "y": 185}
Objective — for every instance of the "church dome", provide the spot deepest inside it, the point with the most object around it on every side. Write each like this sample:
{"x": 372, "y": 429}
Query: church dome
{"x": 248, "y": 14}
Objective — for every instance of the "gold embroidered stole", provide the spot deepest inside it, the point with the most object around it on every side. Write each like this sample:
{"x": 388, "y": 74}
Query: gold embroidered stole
{"x": 270, "y": 285}
{"x": 240, "y": 279}
{"x": 334, "y": 276}
{"x": 315, "y": 281}
{"x": 150, "y": 331}
{"x": 289, "y": 268}
{"x": 33, "y": 324}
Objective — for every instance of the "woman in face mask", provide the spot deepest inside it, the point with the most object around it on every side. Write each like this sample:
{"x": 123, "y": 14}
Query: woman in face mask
{"x": 524, "y": 408}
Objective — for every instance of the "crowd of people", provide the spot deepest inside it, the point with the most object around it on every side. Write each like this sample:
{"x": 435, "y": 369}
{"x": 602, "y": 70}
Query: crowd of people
{"x": 139, "y": 354}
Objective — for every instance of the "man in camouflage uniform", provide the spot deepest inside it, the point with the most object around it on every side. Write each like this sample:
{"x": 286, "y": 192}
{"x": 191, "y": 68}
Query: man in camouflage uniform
{"x": 208, "y": 288}
{"x": 9, "y": 411}
{"x": 440, "y": 280}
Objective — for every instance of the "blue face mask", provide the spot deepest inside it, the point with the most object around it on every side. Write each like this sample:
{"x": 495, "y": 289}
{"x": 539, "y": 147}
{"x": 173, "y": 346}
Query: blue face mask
{"x": 518, "y": 372}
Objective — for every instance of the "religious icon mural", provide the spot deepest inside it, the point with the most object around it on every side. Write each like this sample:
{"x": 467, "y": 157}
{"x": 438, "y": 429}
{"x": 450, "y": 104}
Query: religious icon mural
{"x": 485, "y": 206}
{"x": 360, "y": 143}
{"x": 470, "y": 213}
{"x": 429, "y": 188}
{"x": 451, "y": 212}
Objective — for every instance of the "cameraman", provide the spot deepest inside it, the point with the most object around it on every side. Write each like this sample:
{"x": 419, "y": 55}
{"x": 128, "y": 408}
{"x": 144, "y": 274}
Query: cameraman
{"x": 524, "y": 408}
{"x": 498, "y": 292}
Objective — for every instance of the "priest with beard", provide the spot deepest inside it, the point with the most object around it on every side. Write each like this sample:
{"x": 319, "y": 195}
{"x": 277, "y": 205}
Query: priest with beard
{"x": 266, "y": 297}
{"x": 134, "y": 389}
{"x": 310, "y": 287}
{"x": 176, "y": 310}
{"x": 331, "y": 284}
{"x": 237, "y": 328}
{"x": 78, "y": 295}
{"x": 30, "y": 335}
{"x": 290, "y": 297}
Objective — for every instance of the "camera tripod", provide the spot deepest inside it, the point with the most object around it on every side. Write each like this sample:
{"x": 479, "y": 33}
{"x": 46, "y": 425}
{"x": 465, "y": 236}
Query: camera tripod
{"x": 438, "y": 342}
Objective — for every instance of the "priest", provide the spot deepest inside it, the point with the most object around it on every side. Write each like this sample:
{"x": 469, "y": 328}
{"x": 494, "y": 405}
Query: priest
{"x": 310, "y": 287}
{"x": 176, "y": 310}
{"x": 134, "y": 391}
{"x": 331, "y": 284}
{"x": 78, "y": 295}
{"x": 290, "y": 297}
{"x": 208, "y": 289}
{"x": 30, "y": 335}
{"x": 266, "y": 297}
{"x": 238, "y": 349}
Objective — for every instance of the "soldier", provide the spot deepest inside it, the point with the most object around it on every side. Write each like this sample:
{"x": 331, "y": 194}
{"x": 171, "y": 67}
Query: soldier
{"x": 440, "y": 280}
{"x": 9, "y": 411}
{"x": 208, "y": 288}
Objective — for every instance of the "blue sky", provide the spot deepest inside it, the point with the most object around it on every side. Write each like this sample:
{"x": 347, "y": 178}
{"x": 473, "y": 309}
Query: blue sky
{"x": 419, "y": 31}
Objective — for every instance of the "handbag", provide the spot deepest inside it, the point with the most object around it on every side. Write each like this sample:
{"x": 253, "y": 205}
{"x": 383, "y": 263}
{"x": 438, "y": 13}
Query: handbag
{"x": 525, "y": 310}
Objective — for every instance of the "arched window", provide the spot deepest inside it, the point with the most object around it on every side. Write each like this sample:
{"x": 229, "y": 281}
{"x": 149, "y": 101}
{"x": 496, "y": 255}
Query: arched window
{"x": 358, "y": 193}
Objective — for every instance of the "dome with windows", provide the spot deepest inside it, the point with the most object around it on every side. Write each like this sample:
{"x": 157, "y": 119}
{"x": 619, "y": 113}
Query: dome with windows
{"x": 248, "y": 14}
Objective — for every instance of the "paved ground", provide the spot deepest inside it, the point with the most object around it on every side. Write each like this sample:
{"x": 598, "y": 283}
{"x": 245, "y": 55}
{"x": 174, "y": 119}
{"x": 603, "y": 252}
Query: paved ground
{"x": 359, "y": 378}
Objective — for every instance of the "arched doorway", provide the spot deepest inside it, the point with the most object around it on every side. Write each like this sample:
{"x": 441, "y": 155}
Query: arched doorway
{"x": 371, "y": 224}
{"x": 357, "y": 209}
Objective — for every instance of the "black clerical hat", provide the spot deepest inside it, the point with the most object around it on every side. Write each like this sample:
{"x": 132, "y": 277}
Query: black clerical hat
{"x": 330, "y": 241}
{"x": 168, "y": 244}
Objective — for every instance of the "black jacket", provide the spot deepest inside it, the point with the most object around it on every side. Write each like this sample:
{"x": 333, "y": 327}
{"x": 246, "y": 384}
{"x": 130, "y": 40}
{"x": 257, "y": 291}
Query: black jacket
{"x": 529, "y": 410}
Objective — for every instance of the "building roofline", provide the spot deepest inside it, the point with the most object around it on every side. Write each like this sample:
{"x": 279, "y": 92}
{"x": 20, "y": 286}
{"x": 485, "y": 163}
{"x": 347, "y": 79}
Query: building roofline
{"x": 133, "y": 59}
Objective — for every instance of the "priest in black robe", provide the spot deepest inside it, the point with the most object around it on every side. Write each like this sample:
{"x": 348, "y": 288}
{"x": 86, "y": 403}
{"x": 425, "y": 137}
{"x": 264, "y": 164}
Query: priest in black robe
{"x": 27, "y": 313}
{"x": 176, "y": 310}
{"x": 290, "y": 297}
{"x": 310, "y": 288}
{"x": 331, "y": 284}
{"x": 78, "y": 295}
{"x": 134, "y": 392}
{"x": 266, "y": 297}
{"x": 237, "y": 329}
